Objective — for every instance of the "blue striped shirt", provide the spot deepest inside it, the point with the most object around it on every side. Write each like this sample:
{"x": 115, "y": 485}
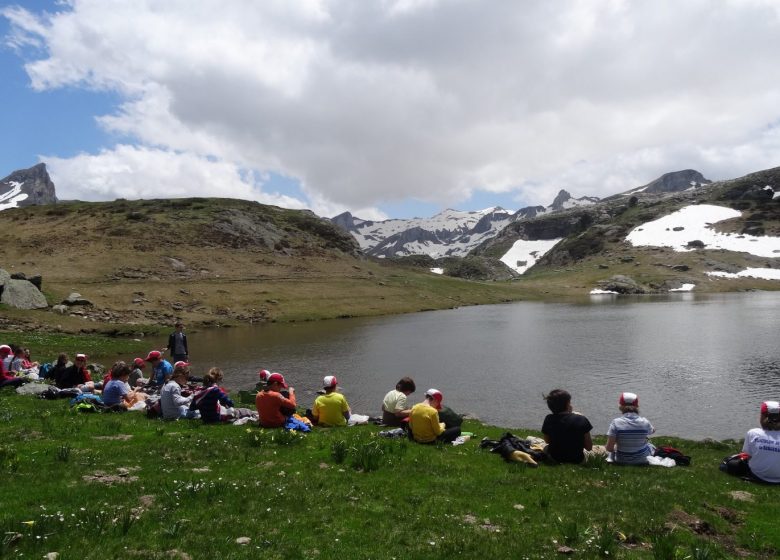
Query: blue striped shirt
{"x": 631, "y": 432}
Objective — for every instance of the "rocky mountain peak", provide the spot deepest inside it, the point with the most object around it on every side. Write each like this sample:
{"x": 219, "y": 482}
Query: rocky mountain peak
{"x": 561, "y": 198}
{"x": 27, "y": 187}
{"x": 675, "y": 181}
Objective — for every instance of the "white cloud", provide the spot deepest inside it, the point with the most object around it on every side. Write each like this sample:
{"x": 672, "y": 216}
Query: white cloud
{"x": 137, "y": 172}
{"x": 372, "y": 102}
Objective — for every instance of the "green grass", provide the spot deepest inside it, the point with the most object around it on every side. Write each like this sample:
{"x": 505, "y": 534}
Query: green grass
{"x": 345, "y": 493}
{"x": 45, "y": 346}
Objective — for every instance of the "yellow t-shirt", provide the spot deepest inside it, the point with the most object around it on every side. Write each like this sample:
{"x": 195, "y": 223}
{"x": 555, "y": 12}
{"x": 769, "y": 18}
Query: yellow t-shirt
{"x": 424, "y": 422}
{"x": 330, "y": 409}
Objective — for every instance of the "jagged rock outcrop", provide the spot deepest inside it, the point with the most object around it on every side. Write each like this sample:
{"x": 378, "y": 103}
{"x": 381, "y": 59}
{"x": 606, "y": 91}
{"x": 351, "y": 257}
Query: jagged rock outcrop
{"x": 27, "y": 187}
{"x": 622, "y": 285}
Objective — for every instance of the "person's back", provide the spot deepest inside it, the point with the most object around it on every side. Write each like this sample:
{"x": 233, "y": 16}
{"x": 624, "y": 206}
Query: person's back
{"x": 331, "y": 409}
{"x": 395, "y": 405}
{"x": 424, "y": 423}
{"x": 628, "y": 433}
{"x": 114, "y": 392}
{"x": 272, "y": 407}
{"x": 763, "y": 444}
{"x": 566, "y": 432}
{"x": 173, "y": 404}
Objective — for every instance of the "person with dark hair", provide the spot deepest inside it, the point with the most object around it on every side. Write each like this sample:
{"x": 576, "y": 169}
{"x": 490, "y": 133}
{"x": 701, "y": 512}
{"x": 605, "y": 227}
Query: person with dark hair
{"x": 117, "y": 391}
{"x": 76, "y": 375}
{"x": 627, "y": 435}
{"x": 177, "y": 344}
{"x": 760, "y": 457}
{"x": 210, "y": 400}
{"x": 59, "y": 367}
{"x": 424, "y": 420}
{"x": 566, "y": 432}
{"x": 395, "y": 407}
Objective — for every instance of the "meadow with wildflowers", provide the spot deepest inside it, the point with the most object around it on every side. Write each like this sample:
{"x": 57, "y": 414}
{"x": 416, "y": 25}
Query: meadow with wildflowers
{"x": 115, "y": 485}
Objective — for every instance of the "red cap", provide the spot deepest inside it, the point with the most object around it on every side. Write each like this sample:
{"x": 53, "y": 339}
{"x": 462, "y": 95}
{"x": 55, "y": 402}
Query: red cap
{"x": 770, "y": 407}
{"x": 263, "y": 374}
{"x": 139, "y": 363}
{"x": 81, "y": 357}
{"x": 435, "y": 395}
{"x": 5, "y": 350}
{"x": 181, "y": 364}
{"x": 154, "y": 355}
{"x": 276, "y": 378}
{"x": 629, "y": 399}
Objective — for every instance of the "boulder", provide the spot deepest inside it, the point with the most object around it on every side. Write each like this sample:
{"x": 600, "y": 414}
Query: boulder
{"x": 622, "y": 285}
{"x": 75, "y": 298}
{"x": 61, "y": 309}
{"x": 22, "y": 295}
{"x": 4, "y": 278}
{"x": 18, "y": 276}
{"x": 36, "y": 280}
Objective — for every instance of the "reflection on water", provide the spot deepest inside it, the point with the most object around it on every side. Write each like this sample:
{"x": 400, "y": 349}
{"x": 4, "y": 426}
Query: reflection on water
{"x": 700, "y": 363}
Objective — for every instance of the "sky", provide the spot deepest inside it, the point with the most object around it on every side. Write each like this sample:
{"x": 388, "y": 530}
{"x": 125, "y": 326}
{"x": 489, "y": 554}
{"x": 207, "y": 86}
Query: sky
{"x": 386, "y": 108}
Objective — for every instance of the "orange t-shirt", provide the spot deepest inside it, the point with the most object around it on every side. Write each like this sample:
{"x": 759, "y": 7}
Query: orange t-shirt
{"x": 269, "y": 407}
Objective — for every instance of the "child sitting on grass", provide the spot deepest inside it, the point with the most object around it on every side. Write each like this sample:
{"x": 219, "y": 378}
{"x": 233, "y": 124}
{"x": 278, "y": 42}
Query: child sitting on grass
{"x": 117, "y": 390}
{"x": 330, "y": 409}
{"x": 424, "y": 420}
{"x": 208, "y": 399}
{"x": 627, "y": 435}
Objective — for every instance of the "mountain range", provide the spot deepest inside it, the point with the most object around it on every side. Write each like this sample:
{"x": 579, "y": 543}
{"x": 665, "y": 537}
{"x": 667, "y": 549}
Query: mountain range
{"x": 453, "y": 233}
{"x": 27, "y": 187}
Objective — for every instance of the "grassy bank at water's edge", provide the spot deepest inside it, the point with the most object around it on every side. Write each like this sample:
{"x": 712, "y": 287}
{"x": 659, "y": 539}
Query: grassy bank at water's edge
{"x": 110, "y": 485}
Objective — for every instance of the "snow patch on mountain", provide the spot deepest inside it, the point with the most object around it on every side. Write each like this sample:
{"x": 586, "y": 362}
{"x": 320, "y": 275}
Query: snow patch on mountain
{"x": 524, "y": 254}
{"x": 694, "y": 223}
{"x": 12, "y": 197}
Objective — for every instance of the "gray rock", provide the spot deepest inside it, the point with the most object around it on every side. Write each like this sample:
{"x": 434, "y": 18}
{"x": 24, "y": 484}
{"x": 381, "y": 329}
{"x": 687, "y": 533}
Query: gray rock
{"x": 18, "y": 276}
{"x": 32, "y": 388}
{"x": 622, "y": 285}
{"x": 696, "y": 244}
{"x": 61, "y": 309}
{"x": 22, "y": 295}
{"x": 36, "y": 280}
{"x": 4, "y": 278}
{"x": 75, "y": 298}
{"x": 175, "y": 264}
{"x": 681, "y": 268}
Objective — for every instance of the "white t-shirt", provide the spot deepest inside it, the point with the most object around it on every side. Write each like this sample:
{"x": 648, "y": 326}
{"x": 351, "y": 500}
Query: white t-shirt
{"x": 763, "y": 446}
{"x": 394, "y": 401}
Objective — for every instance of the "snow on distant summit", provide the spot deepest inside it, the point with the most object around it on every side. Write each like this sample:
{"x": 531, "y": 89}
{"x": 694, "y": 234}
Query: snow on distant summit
{"x": 27, "y": 187}
{"x": 450, "y": 233}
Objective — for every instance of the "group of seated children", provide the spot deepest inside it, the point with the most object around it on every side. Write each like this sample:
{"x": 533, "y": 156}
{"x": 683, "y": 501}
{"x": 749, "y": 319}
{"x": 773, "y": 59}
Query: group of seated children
{"x": 566, "y": 432}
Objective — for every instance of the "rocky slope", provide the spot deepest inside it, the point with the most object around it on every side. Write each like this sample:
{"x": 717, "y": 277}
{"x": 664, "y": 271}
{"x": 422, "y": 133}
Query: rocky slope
{"x": 592, "y": 240}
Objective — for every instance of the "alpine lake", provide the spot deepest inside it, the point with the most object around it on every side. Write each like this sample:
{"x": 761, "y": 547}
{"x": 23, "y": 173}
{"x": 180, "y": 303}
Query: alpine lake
{"x": 700, "y": 363}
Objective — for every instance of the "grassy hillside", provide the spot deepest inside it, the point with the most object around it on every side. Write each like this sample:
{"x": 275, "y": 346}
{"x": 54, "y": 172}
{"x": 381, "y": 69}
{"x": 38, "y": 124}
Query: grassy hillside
{"x": 209, "y": 261}
{"x": 121, "y": 485}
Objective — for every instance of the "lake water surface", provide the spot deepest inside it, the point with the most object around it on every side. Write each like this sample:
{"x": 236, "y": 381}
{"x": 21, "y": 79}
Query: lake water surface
{"x": 701, "y": 364}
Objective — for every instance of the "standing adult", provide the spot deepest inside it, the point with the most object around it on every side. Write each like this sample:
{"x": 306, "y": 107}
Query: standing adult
{"x": 566, "y": 432}
{"x": 161, "y": 368}
{"x": 424, "y": 420}
{"x": 627, "y": 434}
{"x": 177, "y": 344}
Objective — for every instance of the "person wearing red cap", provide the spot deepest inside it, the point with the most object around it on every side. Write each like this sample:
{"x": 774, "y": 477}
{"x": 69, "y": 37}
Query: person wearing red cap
{"x": 627, "y": 435}
{"x": 273, "y": 407}
{"x": 762, "y": 445}
{"x": 137, "y": 375}
{"x": 331, "y": 409}
{"x": 424, "y": 420}
{"x": 161, "y": 368}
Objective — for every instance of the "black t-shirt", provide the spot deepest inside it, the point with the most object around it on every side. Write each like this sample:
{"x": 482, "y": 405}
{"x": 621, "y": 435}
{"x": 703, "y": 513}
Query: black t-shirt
{"x": 566, "y": 432}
